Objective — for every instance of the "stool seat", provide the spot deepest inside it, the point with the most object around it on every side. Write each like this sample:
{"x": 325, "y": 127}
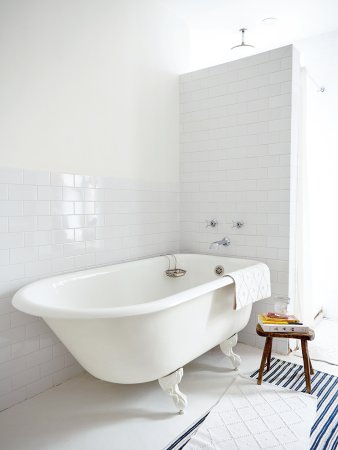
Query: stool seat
{"x": 266, "y": 357}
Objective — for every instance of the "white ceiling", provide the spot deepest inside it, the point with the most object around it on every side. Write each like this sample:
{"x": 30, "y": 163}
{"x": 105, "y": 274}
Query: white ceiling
{"x": 214, "y": 24}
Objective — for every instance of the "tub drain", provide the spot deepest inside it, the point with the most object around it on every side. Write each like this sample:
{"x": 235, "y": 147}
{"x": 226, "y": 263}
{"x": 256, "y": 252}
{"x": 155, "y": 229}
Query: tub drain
{"x": 219, "y": 270}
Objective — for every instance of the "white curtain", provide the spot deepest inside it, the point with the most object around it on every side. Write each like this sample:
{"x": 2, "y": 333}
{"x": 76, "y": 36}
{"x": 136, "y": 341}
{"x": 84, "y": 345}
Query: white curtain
{"x": 302, "y": 256}
{"x": 315, "y": 284}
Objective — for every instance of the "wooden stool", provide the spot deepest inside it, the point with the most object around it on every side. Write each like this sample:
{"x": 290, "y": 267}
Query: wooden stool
{"x": 304, "y": 337}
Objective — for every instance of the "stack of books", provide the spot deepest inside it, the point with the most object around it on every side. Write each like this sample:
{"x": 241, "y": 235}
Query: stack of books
{"x": 281, "y": 323}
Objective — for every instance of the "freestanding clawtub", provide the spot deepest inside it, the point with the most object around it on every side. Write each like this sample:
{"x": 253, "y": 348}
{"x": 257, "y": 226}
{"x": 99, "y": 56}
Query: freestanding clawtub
{"x": 131, "y": 323}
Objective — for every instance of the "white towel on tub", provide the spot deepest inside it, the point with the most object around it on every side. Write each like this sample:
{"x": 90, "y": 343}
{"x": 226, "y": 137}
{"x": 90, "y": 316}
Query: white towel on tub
{"x": 251, "y": 284}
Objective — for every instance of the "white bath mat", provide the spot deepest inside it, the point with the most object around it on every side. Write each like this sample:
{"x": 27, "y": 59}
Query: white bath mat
{"x": 255, "y": 417}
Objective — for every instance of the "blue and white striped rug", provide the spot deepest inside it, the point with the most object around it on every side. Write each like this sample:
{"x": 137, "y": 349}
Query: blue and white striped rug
{"x": 324, "y": 433}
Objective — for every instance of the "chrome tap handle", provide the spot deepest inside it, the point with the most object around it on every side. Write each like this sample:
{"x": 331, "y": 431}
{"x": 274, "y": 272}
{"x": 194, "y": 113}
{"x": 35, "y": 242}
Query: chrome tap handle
{"x": 237, "y": 224}
{"x": 211, "y": 223}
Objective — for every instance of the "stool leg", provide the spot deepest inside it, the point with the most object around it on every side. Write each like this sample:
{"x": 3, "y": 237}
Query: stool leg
{"x": 306, "y": 365}
{"x": 269, "y": 356}
{"x": 311, "y": 368}
{"x": 267, "y": 346}
{"x": 310, "y": 364}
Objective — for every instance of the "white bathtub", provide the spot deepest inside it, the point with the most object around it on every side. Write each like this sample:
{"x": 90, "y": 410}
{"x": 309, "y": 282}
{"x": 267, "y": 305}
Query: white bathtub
{"x": 130, "y": 323}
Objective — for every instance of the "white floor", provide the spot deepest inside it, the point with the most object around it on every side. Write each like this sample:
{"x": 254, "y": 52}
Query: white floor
{"x": 85, "y": 413}
{"x": 325, "y": 345}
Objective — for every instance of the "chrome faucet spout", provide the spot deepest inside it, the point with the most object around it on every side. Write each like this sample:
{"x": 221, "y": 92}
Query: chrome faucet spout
{"x": 225, "y": 242}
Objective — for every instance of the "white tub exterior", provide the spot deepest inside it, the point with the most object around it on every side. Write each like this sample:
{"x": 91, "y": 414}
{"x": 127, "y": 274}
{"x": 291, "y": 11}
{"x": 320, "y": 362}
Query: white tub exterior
{"x": 130, "y": 323}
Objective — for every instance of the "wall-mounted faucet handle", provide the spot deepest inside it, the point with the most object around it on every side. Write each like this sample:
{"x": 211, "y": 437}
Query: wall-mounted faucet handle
{"x": 225, "y": 242}
{"x": 211, "y": 223}
{"x": 237, "y": 224}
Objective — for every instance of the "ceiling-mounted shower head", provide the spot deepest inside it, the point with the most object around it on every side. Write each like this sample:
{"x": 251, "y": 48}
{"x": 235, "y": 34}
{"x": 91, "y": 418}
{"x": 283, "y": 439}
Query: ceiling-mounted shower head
{"x": 243, "y": 44}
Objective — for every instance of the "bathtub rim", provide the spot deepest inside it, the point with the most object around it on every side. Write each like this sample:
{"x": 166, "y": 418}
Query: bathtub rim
{"x": 22, "y": 301}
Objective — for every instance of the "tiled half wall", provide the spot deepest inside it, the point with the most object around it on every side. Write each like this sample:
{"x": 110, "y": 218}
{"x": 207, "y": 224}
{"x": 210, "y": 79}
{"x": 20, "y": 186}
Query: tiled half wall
{"x": 235, "y": 164}
{"x": 52, "y": 223}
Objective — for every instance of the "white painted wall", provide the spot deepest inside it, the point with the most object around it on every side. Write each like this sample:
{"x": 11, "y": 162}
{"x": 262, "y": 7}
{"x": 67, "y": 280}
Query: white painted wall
{"x": 91, "y": 87}
{"x": 319, "y": 56}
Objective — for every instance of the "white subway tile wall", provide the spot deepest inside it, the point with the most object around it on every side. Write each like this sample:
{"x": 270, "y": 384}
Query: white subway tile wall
{"x": 52, "y": 223}
{"x": 235, "y": 165}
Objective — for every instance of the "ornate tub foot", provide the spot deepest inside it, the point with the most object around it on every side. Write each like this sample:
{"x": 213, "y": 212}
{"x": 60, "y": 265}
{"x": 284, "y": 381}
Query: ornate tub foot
{"x": 170, "y": 385}
{"x": 226, "y": 348}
